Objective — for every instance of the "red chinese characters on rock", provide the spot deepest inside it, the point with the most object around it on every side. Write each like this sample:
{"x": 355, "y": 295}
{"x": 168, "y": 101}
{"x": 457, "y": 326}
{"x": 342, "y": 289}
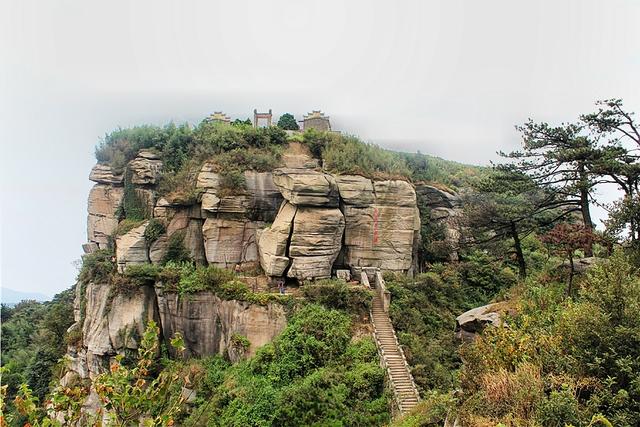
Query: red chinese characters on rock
{"x": 375, "y": 226}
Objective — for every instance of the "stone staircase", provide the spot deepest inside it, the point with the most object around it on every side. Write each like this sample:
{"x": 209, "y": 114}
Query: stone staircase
{"x": 391, "y": 355}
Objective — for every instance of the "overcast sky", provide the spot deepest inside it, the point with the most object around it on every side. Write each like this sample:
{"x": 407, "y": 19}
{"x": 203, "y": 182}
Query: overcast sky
{"x": 449, "y": 78}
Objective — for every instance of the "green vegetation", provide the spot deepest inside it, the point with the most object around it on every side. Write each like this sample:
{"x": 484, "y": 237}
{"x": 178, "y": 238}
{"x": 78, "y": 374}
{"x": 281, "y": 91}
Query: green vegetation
{"x": 423, "y": 311}
{"x": 183, "y": 150}
{"x": 33, "y": 340}
{"x": 349, "y": 155}
{"x": 576, "y": 357}
{"x": 312, "y": 374}
{"x": 442, "y": 173}
{"x": 338, "y": 295}
{"x": 155, "y": 229}
{"x": 288, "y": 122}
{"x": 176, "y": 250}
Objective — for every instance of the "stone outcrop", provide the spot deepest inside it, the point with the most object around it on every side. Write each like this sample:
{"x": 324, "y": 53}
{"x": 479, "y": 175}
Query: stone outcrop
{"x": 114, "y": 322}
{"x": 315, "y": 242}
{"x": 274, "y": 241}
{"x": 258, "y": 201}
{"x": 104, "y": 201}
{"x": 306, "y": 187}
{"x": 208, "y": 323}
{"x": 185, "y": 225}
{"x": 379, "y": 233}
{"x": 228, "y": 242}
{"x": 445, "y": 210}
{"x": 378, "y": 222}
{"x": 472, "y": 322}
{"x": 131, "y": 248}
{"x": 355, "y": 190}
{"x": 103, "y": 174}
{"x": 145, "y": 168}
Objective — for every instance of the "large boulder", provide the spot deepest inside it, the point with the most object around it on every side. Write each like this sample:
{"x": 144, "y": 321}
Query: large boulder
{"x": 208, "y": 323}
{"x": 145, "y": 168}
{"x": 315, "y": 242}
{"x": 381, "y": 224}
{"x": 129, "y": 313}
{"x": 228, "y": 242}
{"x": 472, "y": 322}
{"x": 258, "y": 201}
{"x": 104, "y": 201}
{"x": 273, "y": 242}
{"x": 306, "y": 187}
{"x": 131, "y": 248}
{"x": 434, "y": 197}
{"x": 103, "y": 174}
{"x": 355, "y": 190}
{"x": 394, "y": 193}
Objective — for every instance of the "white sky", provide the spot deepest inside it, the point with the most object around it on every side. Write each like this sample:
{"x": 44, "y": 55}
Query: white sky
{"x": 449, "y": 78}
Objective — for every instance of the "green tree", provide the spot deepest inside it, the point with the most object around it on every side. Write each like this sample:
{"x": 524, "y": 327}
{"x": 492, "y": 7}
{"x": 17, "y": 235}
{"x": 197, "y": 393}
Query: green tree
{"x": 559, "y": 160}
{"x": 619, "y": 135}
{"x": 288, "y": 122}
{"x": 508, "y": 205}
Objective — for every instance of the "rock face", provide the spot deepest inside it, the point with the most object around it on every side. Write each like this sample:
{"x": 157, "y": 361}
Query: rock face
{"x": 445, "y": 210}
{"x": 208, "y": 323}
{"x": 184, "y": 225}
{"x": 379, "y": 233}
{"x": 103, "y": 174}
{"x": 315, "y": 242}
{"x": 228, "y": 242}
{"x": 145, "y": 168}
{"x": 274, "y": 242}
{"x": 112, "y": 324}
{"x": 104, "y": 201}
{"x": 306, "y": 187}
{"x": 376, "y": 225}
{"x": 259, "y": 201}
{"x": 131, "y": 248}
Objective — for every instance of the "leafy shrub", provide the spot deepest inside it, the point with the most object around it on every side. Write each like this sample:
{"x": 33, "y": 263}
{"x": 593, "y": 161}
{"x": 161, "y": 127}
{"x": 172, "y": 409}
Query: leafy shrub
{"x": 482, "y": 272}
{"x": 131, "y": 394}
{"x": 349, "y": 155}
{"x": 240, "y": 342}
{"x": 142, "y": 273}
{"x": 176, "y": 250}
{"x": 559, "y": 409}
{"x": 338, "y": 295}
{"x": 97, "y": 266}
{"x": 132, "y": 207}
{"x": 569, "y": 341}
{"x": 317, "y": 141}
{"x": 155, "y": 229}
{"x": 432, "y": 411}
{"x": 126, "y": 225}
{"x": 313, "y": 338}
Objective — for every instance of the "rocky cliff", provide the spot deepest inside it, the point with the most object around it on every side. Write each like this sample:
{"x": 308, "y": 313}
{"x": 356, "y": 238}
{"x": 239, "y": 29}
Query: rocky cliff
{"x": 296, "y": 222}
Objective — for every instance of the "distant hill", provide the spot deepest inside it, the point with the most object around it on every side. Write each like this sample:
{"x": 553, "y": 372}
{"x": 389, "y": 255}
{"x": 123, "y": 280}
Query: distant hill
{"x": 12, "y": 297}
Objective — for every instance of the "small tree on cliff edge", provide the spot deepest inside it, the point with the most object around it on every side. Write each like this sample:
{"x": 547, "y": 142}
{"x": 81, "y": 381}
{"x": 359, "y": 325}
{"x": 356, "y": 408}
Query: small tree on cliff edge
{"x": 288, "y": 122}
{"x": 566, "y": 239}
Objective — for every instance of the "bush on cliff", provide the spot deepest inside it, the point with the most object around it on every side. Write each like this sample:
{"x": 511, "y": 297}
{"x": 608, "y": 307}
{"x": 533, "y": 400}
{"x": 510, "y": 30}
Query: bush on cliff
{"x": 310, "y": 375}
{"x": 349, "y": 155}
{"x": 336, "y": 294}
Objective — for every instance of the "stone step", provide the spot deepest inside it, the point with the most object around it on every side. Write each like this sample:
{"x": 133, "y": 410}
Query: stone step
{"x": 399, "y": 373}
